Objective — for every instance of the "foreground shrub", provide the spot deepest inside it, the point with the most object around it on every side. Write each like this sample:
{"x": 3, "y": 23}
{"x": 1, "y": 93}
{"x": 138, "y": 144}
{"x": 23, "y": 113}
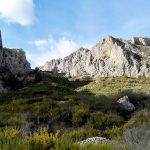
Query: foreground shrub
{"x": 97, "y": 147}
{"x": 10, "y": 139}
{"x": 82, "y": 134}
{"x": 43, "y": 140}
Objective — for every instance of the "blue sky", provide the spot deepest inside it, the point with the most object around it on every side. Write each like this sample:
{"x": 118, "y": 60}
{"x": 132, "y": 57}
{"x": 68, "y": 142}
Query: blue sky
{"x": 48, "y": 29}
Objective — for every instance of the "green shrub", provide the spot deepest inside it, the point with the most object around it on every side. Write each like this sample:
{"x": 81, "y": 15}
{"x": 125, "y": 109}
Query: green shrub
{"x": 81, "y": 134}
{"x": 61, "y": 114}
{"x": 12, "y": 82}
{"x": 115, "y": 132}
{"x": 80, "y": 116}
{"x": 38, "y": 77}
{"x": 139, "y": 119}
{"x": 103, "y": 121}
{"x": 10, "y": 139}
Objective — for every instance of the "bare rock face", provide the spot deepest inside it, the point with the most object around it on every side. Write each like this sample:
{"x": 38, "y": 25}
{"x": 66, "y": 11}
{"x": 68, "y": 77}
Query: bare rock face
{"x": 141, "y": 41}
{"x": 13, "y": 61}
{"x": 109, "y": 57}
{"x": 125, "y": 102}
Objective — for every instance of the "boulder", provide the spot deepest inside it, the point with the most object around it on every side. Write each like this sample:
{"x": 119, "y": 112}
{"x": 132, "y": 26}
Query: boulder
{"x": 125, "y": 102}
{"x": 94, "y": 140}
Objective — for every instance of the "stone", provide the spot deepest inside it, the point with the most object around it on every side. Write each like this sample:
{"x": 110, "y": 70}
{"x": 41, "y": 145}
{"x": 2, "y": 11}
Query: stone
{"x": 125, "y": 102}
{"x": 110, "y": 57}
{"x": 94, "y": 140}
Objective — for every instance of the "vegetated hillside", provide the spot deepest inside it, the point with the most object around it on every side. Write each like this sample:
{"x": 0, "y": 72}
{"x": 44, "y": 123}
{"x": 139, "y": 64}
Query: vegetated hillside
{"x": 55, "y": 113}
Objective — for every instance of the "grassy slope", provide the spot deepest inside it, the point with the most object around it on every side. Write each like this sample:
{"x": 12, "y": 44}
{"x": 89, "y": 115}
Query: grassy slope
{"x": 109, "y": 86}
{"x": 71, "y": 106}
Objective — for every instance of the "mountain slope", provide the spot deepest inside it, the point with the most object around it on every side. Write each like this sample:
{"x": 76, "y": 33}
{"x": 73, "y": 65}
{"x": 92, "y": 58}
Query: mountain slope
{"x": 109, "y": 57}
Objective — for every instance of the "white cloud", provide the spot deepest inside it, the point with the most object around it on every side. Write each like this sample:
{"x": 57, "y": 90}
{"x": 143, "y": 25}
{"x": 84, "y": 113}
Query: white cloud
{"x": 47, "y": 49}
{"x": 17, "y": 11}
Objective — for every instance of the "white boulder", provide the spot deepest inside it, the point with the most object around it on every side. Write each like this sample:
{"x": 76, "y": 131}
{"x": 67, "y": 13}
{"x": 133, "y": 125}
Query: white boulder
{"x": 125, "y": 102}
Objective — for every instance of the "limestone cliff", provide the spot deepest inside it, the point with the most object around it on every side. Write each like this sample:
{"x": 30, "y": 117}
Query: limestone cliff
{"x": 12, "y": 61}
{"x": 109, "y": 57}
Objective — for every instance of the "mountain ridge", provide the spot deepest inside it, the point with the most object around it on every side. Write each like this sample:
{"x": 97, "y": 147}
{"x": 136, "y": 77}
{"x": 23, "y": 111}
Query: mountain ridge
{"x": 109, "y": 57}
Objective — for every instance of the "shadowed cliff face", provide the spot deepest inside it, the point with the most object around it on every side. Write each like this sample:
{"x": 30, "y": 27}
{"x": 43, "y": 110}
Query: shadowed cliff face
{"x": 13, "y": 61}
{"x": 109, "y": 57}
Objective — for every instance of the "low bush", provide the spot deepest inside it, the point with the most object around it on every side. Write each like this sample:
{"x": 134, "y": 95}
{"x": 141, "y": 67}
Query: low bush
{"x": 12, "y": 82}
{"x": 103, "y": 121}
{"x": 80, "y": 116}
{"x": 139, "y": 119}
{"x": 114, "y": 132}
{"x": 82, "y": 134}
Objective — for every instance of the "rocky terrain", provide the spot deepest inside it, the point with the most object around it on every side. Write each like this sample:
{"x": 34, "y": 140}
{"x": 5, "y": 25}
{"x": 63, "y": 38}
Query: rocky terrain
{"x": 109, "y": 57}
{"x": 12, "y": 62}
{"x": 44, "y": 110}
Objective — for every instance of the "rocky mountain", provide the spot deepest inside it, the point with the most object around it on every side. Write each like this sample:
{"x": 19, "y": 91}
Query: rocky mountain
{"x": 12, "y": 61}
{"x": 109, "y": 57}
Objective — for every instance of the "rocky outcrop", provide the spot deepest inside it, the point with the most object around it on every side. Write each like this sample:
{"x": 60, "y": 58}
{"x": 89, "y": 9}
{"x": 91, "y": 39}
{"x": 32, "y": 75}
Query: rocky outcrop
{"x": 141, "y": 41}
{"x": 125, "y": 102}
{"x": 109, "y": 57}
{"x": 13, "y": 61}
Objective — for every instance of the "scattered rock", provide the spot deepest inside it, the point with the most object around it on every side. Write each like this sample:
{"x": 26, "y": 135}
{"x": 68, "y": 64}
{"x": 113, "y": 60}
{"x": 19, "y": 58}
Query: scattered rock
{"x": 125, "y": 102}
{"x": 94, "y": 140}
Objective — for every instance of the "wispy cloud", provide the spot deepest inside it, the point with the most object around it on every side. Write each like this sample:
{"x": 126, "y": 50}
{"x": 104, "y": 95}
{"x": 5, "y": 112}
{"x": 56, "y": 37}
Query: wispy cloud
{"x": 17, "y": 11}
{"x": 50, "y": 48}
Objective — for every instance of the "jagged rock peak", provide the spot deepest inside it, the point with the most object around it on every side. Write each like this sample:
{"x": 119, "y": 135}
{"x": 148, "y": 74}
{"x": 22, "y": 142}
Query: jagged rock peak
{"x": 109, "y": 57}
{"x": 13, "y": 61}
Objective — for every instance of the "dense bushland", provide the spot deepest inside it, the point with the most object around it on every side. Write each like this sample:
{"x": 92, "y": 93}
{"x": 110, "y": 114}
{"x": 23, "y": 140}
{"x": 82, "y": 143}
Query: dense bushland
{"x": 55, "y": 113}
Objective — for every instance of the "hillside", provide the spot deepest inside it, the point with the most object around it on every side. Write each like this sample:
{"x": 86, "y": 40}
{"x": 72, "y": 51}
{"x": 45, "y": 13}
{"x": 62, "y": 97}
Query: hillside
{"x": 104, "y": 109}
{"x": 71, "y": 107}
